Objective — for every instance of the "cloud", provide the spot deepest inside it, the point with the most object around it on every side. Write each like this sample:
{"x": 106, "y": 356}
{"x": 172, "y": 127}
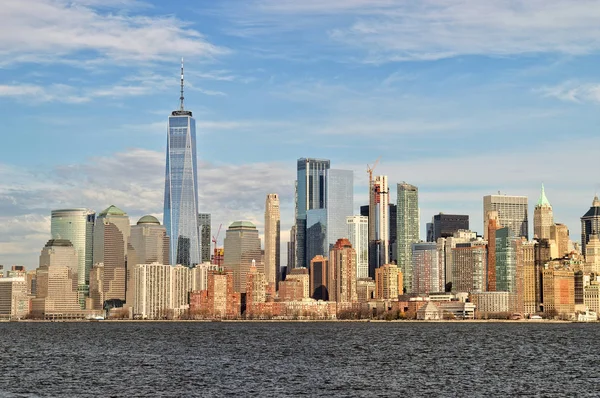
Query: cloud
{"x": 573, "y": 92}
{"x": 398, "y": 30}
{"x": 50, "y": 30}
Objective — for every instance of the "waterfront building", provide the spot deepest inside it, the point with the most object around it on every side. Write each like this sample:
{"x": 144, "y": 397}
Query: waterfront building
{"x": 512, "y": 213}
{"x": 301, "y": 275}
{"x": 379, "y": 198}
{"x": 181, "y": 286}
{"x": 204, "y": 226}
{"x": 56, "y": 290}
{"x": 111, "y": 238}
{"x": 388, "y": 282}
{"x": 199, "y": 275}
{"x": 256, "y": 292}
{"x": 272, "y": 240}
{"x": 291, "y": 290}
{"x": 408, "y": 230}
{"x": 445, "y": 225}
{"x": 365, "y": 289}
{"x": 558, "y": 291}
{"x": 320, "y": 283}
{"x": 543, "y": 219}
{"x": 591, "y": 297}
{"x": 77, "y": 226}
{"x": 393, "y": 234}
{"x": 542, "y": 251}
{"x": 152, "y": 291}
{"x": 242, "y": 245}
{"x": 429, "y": 312}
{"x": 469, "y": 266}
{"x": 590, "y": 223}
{"x": 219, "y": 300}
{"x": 358, "y": 234}
{"x": 181, "y": 187}
{"x": 428, "y": 270}
{"x": 342, "y": 263}
{"x": 494, "y": 302}
{"x": 14, "y": 303}
{"x": 310, "y": 195}
{"x": 460, "y": 236}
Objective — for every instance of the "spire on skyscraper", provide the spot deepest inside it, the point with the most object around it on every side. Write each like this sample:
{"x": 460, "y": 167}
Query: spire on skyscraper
{"x": 181, "y": 111}
{"x": 543, "y": 201}
{"x": 181, "y": 108}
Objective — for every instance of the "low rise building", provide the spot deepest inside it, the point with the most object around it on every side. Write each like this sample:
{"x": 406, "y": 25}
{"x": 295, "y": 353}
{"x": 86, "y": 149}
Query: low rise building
{"x": 14, "y": 303}
{"x": 494, "y": 302}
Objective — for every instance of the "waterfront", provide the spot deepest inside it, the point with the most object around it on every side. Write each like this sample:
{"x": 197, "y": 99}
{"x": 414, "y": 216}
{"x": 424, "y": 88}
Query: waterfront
{"x": 300, "y": 358}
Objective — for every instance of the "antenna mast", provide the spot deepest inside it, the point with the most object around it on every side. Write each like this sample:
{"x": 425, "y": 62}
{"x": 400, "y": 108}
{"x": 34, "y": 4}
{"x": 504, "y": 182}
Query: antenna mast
{"x": 181, "y": 97}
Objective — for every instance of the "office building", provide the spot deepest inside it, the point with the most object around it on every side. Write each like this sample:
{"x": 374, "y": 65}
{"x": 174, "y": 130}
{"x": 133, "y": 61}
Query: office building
{"x": 543, "y": 219}
{"x": 427, "y": 267}
{"x": 242, "y": 245}
{"x": 150, "y": 241}
{"x": 319, "y": 278}
{"x": 469, "y": 267}
{"x": 111, "y": 238}
{"x": 393, "y": 233}
{"x": 301, "y": 276}
{"x": 492, "y": 225}
{"x": 291, "y": 250}
{"x": 445, "y": 225}
{"x": 379, "y": 198}
{"x": 310, "y": 195}
{"x": 408, "y": 229}
{"x": 365, "y": 289}
{"x": 152, "y": 291}
{"x": 591, "y": 297}
{"x": 558, "y": 291}
{"x": 77, "y": 226}
{"x": 461, "y": 236}
{"x": 342, "y": 263}
{"x": 559, "y": 233}
{"x": 14, "y": 303}
{"x": 204, "y": 227}
{"x": 512, "y": 213}
{"x": 181, "y": 187}
{"x": 592, "y": 255}
{"x": 530, "y": 276}
{"x": 590, "y": 223}
{"x": 358, "y": 235}
{"x": 272, "y": 240}
{"x": 494, "y": 302}
{"x": 388, "y": 282}
{"x": 339, "y": 204}
{"x": 506, "y": 261}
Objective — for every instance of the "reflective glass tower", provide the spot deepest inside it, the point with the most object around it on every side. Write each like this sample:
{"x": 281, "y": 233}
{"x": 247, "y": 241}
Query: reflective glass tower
{"x": 181, "y": 187}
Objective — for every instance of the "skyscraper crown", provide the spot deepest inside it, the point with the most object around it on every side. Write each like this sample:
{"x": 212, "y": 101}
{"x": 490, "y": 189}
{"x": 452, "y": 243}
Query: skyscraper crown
{"x": 543, "y": 200}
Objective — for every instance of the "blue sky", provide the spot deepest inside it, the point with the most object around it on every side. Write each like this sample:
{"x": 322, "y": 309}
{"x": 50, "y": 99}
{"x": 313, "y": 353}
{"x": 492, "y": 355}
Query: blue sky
{"x": 462, "y": 99}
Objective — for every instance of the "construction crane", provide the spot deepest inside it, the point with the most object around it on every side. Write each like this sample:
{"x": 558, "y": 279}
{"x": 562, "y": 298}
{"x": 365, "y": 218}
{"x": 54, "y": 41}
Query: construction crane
{"x": 370, "y": 171}
{"x": 214, "y": 241}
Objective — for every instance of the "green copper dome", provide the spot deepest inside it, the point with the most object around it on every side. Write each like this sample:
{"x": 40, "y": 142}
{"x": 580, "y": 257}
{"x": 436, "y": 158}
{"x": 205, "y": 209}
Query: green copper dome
{"x": 242, "y": 224}
{"x": 543, "y": 200}
{"x": 148, "y": 220}
{"x": 112, "y": 210}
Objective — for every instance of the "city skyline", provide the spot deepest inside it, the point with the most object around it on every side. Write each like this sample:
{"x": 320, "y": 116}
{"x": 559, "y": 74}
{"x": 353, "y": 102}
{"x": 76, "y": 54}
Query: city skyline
{"x": 509, "y": 97}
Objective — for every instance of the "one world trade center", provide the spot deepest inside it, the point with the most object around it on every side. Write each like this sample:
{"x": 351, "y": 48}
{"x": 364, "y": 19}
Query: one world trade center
{"x": 181, "y": 187}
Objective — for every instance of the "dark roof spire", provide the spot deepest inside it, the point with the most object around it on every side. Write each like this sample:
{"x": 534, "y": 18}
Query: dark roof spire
{"x": 181, "y": 108}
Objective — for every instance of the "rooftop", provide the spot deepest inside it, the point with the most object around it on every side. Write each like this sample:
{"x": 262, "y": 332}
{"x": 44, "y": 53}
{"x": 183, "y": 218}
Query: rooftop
{"x": 148, "y": 219}
{"x": 543, "y": 200}
{"x": 59, "y": 243}
{"x": 112, "y": 210}
{"x": 242, "y": 224}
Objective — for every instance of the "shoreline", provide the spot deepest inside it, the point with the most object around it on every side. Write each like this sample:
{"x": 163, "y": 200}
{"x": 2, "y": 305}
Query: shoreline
{"x": 518, "y": 321}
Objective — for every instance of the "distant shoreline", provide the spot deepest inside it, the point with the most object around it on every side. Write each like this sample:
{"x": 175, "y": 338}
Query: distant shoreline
{"x": 518, "y": 321}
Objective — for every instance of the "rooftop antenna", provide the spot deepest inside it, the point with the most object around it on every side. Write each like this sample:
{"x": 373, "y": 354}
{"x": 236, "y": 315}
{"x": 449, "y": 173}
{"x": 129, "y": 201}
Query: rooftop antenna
{"x": 181, "y": 108}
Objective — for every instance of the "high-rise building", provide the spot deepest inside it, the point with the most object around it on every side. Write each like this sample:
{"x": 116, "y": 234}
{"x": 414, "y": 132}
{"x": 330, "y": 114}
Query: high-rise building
{"x": 542, "y": 252}
{"x": 301, "y": 276}
{"x": 506, "y": 261}
{"x": 559, "y": 233}
{"x": 512, "y": 213}
{"x": 291, "y": 249}
{"x": 204, "y": 220}
{"x": 543, "y": 220}
{"x": 530, "y": 276}
{"x": 461, "y": 236}
{"x": 393, "y": 234}
{"x": 469, "y": 266}
{"x": 152, "y": 291}
{"x": 199, "y": 275}
{"x": 256, "y": 292}
{"x": 342, "y": 264}
{"x": 77, "y": 226}
{"x": 590, "y": 223}
{"x": 358, "y": 234}
{"x": 558, "y": 291}
{"x": 242, "y": 245}
{"x": 427, "y": 267}
{"x": 388, "y": 282}
{"x": 493, "y": 226}
{"x": 339, "y": 204}
{"x": 445, "y": 225}
{"x": 219, "y": 300}
{"x": 111, "y": 238}
{"x": 150, "y": 241}
{"x": 408, "y": 230}
{"x": 14, "y": 303}
{"x": 379, "y": 240}
{"x": 180, "y": 289}
{"x": 272, "y": 239}
{"x": 320, "y": 282}
{"x": 310, "y": 195}
{"x": 181, "y": 187}
{"x": 592, "y": 255}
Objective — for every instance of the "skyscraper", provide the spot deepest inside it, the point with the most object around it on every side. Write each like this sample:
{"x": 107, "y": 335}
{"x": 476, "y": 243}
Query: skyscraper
{"x": 181, "y": 187}
{"x": 590, "y": 223}
{"x": 77, "y": 226}
{"x": 150, "y": 241}
{"x": 543, "y": 220}
{"x": 310, "y": 194}
{"x": 320, "y": 282}
{"x": 512, "y": 213}
{"x": 358, "y": 234}
{"x": 428, "y": 268}
{"x": 506, "y": 260}
{"x": 272, "y": 239}
{"x": 342, "y": 262}
{"x": 408, "y": 229}
{"x": 205, "y": 238}
{"x": 445, "y": 225}
{"x": 111, "y": 237}
{"x": 379, "y": 198}
{"x": 242, "y": 245}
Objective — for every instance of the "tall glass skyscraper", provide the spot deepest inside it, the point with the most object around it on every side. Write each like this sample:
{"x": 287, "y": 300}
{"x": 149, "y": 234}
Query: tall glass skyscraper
{"x": 181, "y": 187}
{"x": 408, "y": 229}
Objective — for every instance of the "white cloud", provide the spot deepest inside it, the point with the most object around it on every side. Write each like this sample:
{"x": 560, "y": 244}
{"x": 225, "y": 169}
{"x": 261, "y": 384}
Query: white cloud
{"x": 49, "y": 30}
{"x": 573, "y": 92}
{"x": 398, "y": 30}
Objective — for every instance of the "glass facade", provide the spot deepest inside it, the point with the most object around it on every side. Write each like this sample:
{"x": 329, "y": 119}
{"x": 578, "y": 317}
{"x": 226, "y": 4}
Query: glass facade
{"x": 358, "y": 234}
{"x": 316, "y": 233}
{"x": 205, "y": 237}
{"x": 408, "y": 229}
{"x": 506, "y": 260}
{"x": 181, "y": 190}
{"x": 77, "y": 226}
{"x": 339, "y": 203}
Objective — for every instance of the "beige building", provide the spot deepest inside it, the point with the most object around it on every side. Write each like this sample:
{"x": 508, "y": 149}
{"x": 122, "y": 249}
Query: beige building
{"x": 429, "y": 312}
{"x": 512, "y": 213}
{"x": 365, "y": 289}
{"x": 14, "y": 303}
{"x": 592, "y": 255}
{"x": 388, "y": 282}
{"x": 526, "y": 255}
{"x": 242, "y": 245}
{"x": 180, "y": 288}
{"x": 300, "y": 275}
{"x": 111, "y": 237}
{"x": 559, "y": 233}
{"x": 272, "y": 239}
{"x": 150, "y": 241}
{"x": 342, "y": 260}
{"x": 152, "y": 291}
{"x": 494, "y": 302}
{"x": 543, "y": 219}
{"x": 56, "y": 291}
{"x": 256, "y": 292}
{"x": 469, "y": 267}
{"x": 591, "y": 297}
{"x": 199, "y": 275}
{"x": 460, "y": 236}
{"x": 558, "y": 290}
